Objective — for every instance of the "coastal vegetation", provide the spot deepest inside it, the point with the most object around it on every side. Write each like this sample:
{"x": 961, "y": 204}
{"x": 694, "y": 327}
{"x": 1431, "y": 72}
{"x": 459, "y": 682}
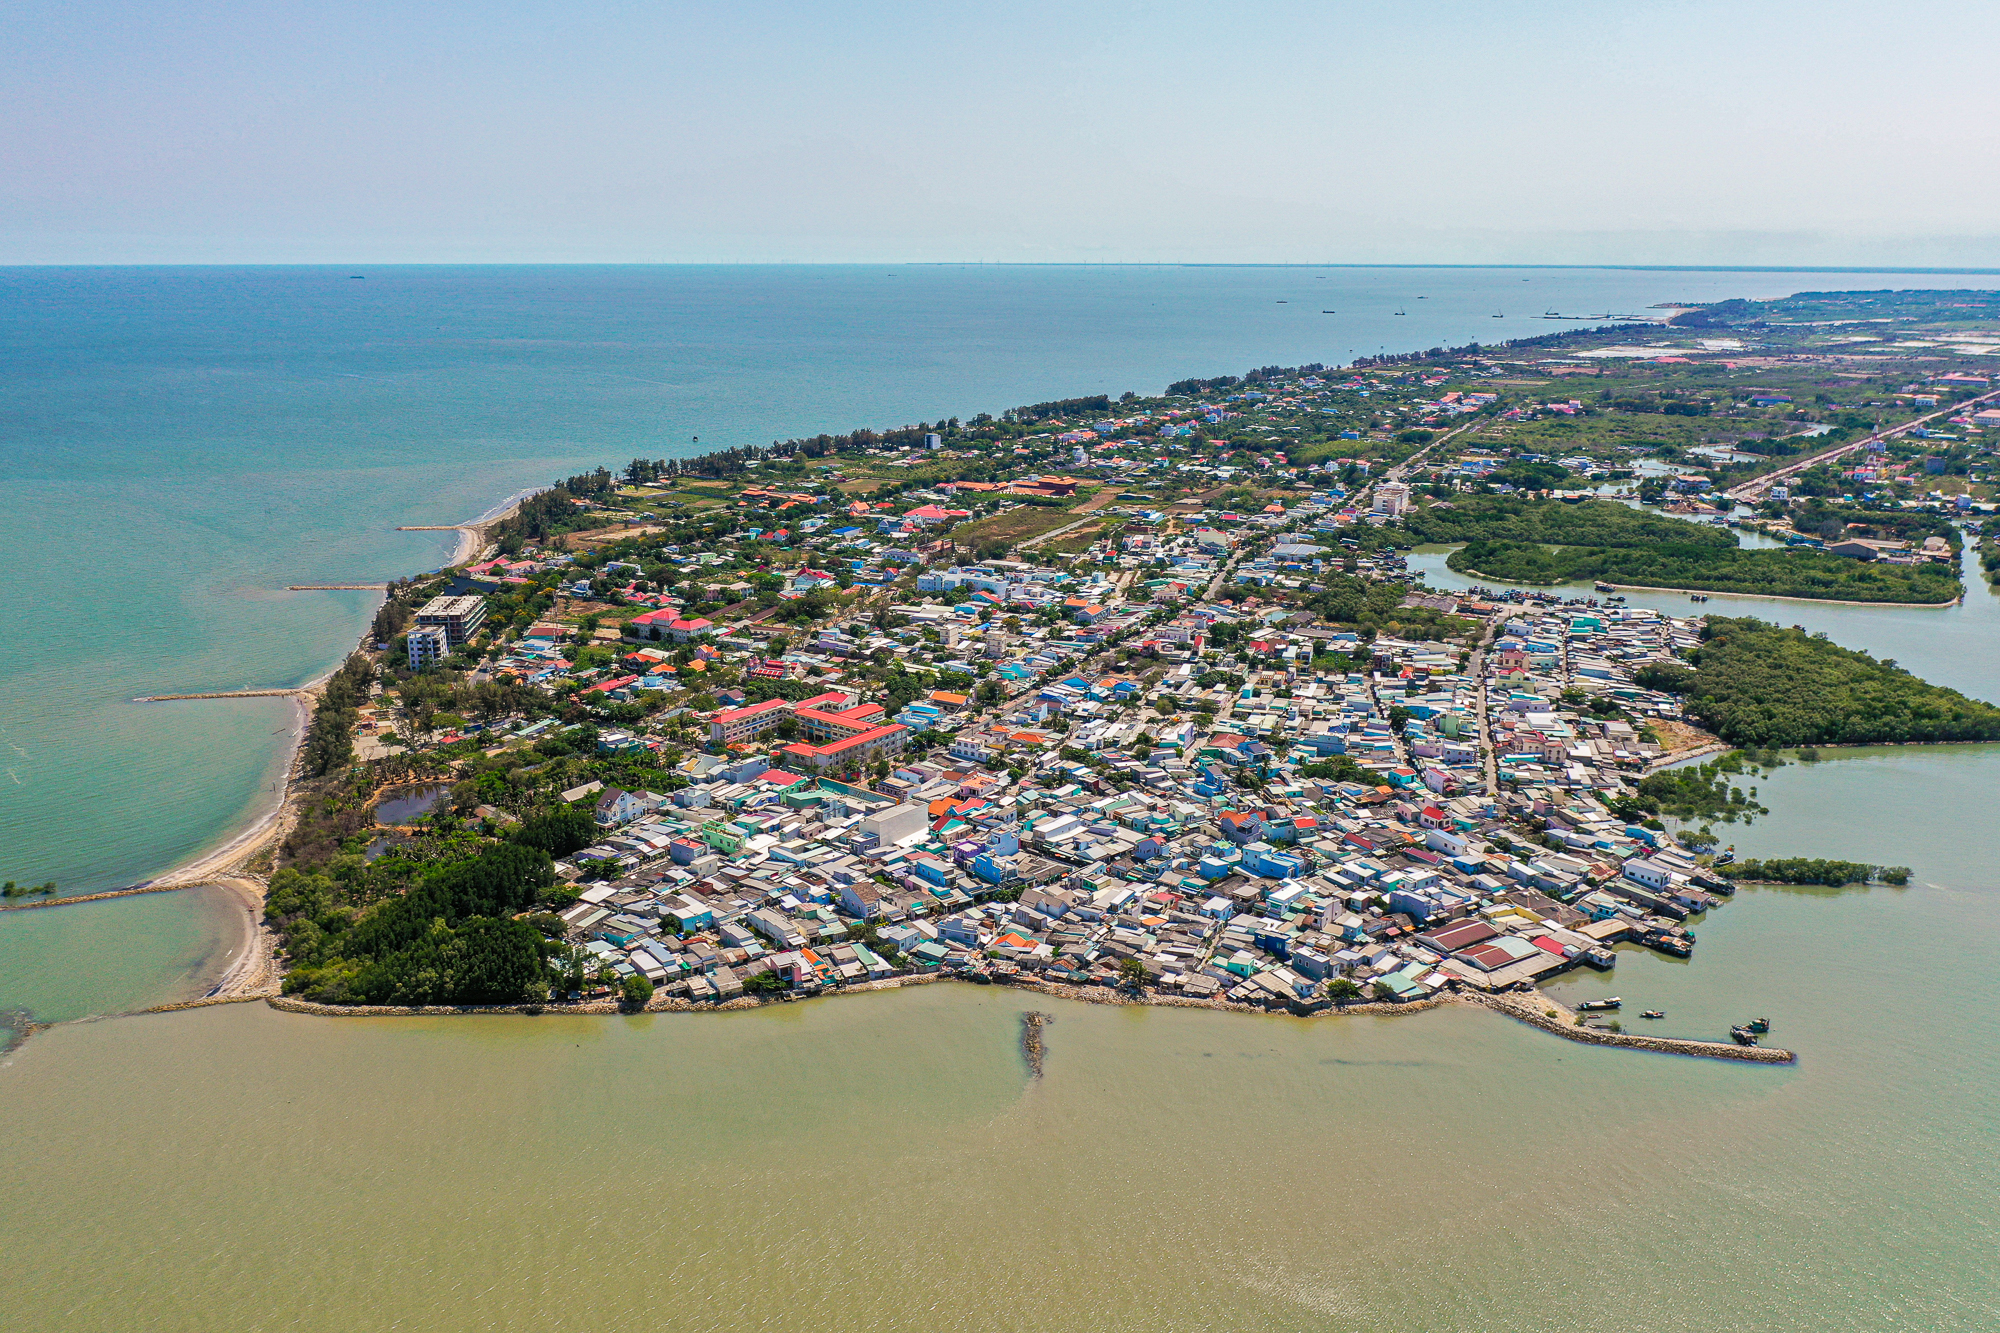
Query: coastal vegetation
{"x": 1707, "y": 568}
{"x": 1814, "y": 870}
{"x": 1692, "y": 792}
{"x": 451, "y": 937}
{"x": 1755, "y": 683}
{"x": 329, "y": 743}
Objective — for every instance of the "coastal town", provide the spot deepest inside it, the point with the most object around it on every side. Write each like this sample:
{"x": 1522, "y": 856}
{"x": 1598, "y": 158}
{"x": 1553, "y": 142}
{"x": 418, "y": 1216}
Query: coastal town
{"x": 1136, "y": 698}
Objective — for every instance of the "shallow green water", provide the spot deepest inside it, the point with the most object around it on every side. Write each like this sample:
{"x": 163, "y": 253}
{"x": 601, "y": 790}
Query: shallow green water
{"x": 884, "y": 1162}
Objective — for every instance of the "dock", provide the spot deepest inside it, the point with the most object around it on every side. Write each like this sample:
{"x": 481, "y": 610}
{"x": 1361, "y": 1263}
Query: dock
{"x": 1535, "y": 1009}
{"x": 336, "y": 587}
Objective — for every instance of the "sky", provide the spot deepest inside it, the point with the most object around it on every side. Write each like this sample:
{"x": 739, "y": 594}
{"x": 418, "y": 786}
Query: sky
{"x": 1757, "y": 132}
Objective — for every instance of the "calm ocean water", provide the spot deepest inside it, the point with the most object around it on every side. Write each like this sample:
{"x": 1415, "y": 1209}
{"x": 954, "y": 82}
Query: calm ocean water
{"x": 175, "y": 444}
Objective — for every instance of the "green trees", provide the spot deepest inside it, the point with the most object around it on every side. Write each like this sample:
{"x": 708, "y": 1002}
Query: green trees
{"x": 329, "y": 742}
{"x": 636, "y": 990}
{"x": 451, "y": 939}
{"x": 1813, "y": 870}
{"x": 1602, "y": 523}
{"x": 1771, "y": 573}
{"x": 1699, "y": 792}
{"x": 1757, "y": 684}
{"x": 565, "y": 829}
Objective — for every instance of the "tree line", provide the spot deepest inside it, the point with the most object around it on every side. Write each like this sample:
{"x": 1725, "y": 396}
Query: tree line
{"x": 1813, "y": 870}
{"x": 329, "y": 742}
{"x": 1757, "y": 684}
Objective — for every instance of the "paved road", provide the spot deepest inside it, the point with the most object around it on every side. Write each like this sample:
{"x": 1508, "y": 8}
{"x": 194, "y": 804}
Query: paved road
{"x": 1756, "y": 486}
{"x": 1485, "y": 733}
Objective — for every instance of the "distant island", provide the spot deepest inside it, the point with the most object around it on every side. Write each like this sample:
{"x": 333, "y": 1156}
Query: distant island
{"x": 1138, "y": 696}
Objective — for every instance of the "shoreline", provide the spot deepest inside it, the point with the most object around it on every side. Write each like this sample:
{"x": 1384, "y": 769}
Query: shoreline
{"x": 251, "y": 972}
{"x": 1709, "y": 592}
{"x": 1537, "y": 1010}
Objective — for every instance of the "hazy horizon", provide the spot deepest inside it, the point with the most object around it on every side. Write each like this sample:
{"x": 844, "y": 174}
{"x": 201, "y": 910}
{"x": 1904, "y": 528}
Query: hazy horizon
{"x": 1685, "y": 133}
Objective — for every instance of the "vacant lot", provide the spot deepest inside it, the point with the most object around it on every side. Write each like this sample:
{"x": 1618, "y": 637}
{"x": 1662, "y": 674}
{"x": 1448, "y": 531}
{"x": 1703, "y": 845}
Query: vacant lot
{"x": 1012, "y": 525}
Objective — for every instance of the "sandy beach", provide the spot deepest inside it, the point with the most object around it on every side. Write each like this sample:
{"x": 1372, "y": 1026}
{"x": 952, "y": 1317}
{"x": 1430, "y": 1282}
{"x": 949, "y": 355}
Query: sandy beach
{"x": 472, "y": 536}
{"x": 252, "y": 967}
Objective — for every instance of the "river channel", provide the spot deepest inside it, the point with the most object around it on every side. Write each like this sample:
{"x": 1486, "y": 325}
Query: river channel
{"x": 1951, "y": 645}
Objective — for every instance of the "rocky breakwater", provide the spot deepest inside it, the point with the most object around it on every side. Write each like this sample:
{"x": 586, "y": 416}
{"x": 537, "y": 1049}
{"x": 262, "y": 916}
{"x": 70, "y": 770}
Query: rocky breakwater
{"x": 1032, "y": 1023}
{"x": 1542, "y": 1012}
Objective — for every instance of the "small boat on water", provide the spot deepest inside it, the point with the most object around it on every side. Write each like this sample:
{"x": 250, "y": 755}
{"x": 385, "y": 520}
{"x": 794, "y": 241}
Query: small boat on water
{"x": 1593, "y": 1006}
{"x": 1697, "y": 597}
{"x": 1654, "y": 1013}
{"x": 1605, "y": 587}
{"x": 1743, "y": 1036}
{"x": 1759, "y": 1025}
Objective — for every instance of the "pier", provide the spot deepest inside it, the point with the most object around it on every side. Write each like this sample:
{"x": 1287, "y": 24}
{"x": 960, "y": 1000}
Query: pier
{"x": 336, "y": 587}
{"x": 1535, "y": 1010}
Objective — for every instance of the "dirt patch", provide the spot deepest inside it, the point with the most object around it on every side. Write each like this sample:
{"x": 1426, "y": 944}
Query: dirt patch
{"x": 1678, "y": 736}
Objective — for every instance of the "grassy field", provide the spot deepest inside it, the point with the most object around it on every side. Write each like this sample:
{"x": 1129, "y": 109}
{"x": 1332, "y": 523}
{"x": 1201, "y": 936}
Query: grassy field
{"x": 1012, "y": 525}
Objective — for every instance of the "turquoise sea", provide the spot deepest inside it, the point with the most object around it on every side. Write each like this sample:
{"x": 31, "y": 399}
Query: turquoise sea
{"x": 178, "y": 444}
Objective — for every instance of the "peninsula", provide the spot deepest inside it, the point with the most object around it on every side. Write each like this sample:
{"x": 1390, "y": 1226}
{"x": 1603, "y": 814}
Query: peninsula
{"x": 1134, "y": 695}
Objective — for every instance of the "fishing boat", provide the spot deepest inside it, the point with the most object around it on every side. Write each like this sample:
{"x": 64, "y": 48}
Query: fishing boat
{"x": 1759, "y": 1025}
{"x": 1402, "y": 312}
{"x": 1592, "y": 1006}
{"x": 1329, "y": 312}
{"x": 1697, "y": 597}
{"x": 1605, "y": 587}
{"x": 1654, "y": 1013}
{"x": 1743, "y": 1036}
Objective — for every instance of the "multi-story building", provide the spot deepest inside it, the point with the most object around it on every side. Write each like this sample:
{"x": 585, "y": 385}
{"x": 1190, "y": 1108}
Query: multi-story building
{"x": 850, "y": 753}
{"x": 458, "y": 617}
{"x": 428, "y": 646}
{"x": 1391, "y": 498}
